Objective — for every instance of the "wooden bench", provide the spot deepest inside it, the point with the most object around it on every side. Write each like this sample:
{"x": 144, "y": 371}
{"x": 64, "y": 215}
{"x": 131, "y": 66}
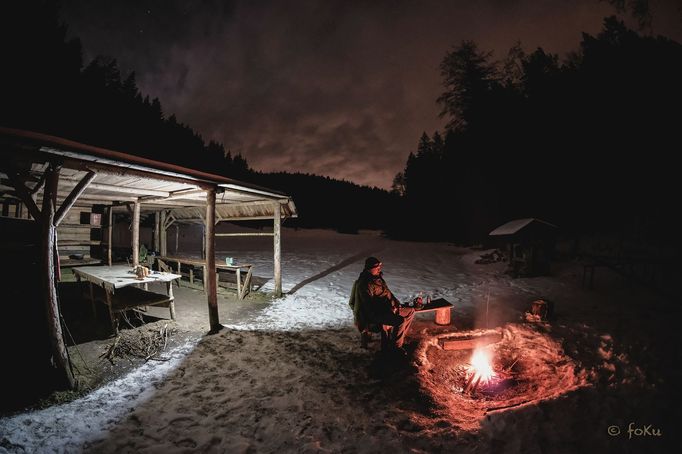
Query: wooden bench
{"x": 243, "y": 286}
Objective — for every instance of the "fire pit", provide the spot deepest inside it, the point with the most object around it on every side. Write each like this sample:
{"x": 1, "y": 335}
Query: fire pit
{"x": 471, "y": 374}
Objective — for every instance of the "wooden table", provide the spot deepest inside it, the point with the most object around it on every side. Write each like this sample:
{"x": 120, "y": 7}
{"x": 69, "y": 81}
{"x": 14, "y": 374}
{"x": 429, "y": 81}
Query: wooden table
{"x": 121, "y": 293}
{"x": 243, "y": 288}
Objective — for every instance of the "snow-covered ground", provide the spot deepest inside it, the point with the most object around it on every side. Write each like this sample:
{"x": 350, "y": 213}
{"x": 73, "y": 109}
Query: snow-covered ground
{"x": 292, "y": 376}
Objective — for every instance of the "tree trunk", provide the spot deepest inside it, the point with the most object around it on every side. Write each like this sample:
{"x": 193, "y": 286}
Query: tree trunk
{"x": 60, "y": 356}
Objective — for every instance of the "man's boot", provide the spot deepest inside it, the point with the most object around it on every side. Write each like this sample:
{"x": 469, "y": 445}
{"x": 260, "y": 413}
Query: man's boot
{"x": 365, "y": 337}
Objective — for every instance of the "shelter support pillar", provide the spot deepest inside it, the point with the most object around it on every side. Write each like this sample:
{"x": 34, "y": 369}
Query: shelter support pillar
{"x": 210, "y": 274}
{"x": 157, "y": 231}
{"x": 136, "y": 233}
{"x": 48, "y": 231}
{"x": 277, "y": 248}
{"x": 60, "y": 356}
{"x": 110, "y": 233}
{"x": 163, "y": 246}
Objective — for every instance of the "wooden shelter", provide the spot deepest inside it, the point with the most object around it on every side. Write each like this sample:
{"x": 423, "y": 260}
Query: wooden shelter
{"x": 529, "y": 245}
{"x": 43, "y": 177}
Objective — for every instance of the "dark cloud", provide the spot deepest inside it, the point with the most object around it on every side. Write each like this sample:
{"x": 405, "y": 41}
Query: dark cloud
{"x": 336, "y": 88}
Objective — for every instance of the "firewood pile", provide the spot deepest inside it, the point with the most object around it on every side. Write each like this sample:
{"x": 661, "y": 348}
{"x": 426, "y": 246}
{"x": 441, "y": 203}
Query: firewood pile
{"x": 147, "y": 342}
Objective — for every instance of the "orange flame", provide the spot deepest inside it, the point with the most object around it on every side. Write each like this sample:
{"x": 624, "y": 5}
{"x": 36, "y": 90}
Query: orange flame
{"x": 481, "y": 366}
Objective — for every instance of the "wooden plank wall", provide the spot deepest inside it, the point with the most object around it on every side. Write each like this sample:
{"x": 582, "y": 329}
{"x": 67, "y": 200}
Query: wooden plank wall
{"x": 75, "y": 233}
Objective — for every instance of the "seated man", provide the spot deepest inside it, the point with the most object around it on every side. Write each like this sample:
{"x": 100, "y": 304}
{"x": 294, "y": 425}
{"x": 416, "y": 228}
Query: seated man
{"x": 374, "y": 304}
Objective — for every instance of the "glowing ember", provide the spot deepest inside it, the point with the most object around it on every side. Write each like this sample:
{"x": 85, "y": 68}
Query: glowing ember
{"x": 481, "y": 370}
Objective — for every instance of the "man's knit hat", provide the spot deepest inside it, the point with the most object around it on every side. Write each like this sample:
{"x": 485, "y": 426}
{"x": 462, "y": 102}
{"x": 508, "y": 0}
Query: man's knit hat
{"x": 371, "y": 262}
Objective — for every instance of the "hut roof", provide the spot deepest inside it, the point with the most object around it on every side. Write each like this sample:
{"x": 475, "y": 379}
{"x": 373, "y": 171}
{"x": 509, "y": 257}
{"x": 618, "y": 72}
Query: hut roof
{"x": 517, "y": 225}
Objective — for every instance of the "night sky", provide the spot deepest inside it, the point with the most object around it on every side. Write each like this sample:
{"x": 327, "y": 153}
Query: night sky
{"x": 335, "y": 88}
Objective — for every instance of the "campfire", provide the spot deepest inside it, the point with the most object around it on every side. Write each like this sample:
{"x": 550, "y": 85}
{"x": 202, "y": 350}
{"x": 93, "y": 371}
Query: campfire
{"x": 480, "y": 370}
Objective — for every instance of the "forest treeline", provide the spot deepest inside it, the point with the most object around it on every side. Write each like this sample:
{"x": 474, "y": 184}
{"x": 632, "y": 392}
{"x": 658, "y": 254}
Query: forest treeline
{"x": 46, "y": 87}
{"x": 588, "y": 142}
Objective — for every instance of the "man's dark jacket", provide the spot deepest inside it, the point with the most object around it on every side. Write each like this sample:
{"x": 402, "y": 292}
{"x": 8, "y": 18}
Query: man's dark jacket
{"x": 372, "y": 302}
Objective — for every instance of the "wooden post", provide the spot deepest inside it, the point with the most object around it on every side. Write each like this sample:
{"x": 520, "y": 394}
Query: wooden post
{"x": 110, "y": 233}
{"x": 157, "y": 231}
{"x": 47, "y": 217}
{"x": 177, "y": 237}
{"x": 169, "y": 289}
{"x": 203, "y": 242}
{"x": 163, "y": 247}
{"x": 277, "y": 249}
{"x": 136, "y": 233}
{"x": 210, "y": 275}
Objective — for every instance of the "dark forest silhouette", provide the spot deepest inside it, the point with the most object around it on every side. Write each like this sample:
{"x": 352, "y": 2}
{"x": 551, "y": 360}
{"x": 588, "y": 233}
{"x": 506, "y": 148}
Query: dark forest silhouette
{"x": 587, "y": 143}
{"x": 45, "y": 87}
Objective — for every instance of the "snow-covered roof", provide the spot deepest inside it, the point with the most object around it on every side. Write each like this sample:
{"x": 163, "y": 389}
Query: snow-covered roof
{"x": 515, "y": 226}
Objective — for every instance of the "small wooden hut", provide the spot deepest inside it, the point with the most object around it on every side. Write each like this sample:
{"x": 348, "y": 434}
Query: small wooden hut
{"x": 50, "y": 185}
{"x": 528, "y": 244}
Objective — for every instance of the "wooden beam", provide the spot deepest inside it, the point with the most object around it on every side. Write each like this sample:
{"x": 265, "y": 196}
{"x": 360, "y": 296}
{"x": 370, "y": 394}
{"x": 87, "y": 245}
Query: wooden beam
{"x": 60, "y": 356}
{"x": 175, "y": 195}
{"x": 136, "y": 234}
{"x": 88, "y": 198}
{"x": 39, "y": 185}
{"x": 110, "y": 233}
{"x": 174, "y": 203}
{"x": 253, "y": 203}
{"x": 157, "y": 230}
{"x": 210, "y": 275}
{"x": 25, "y": 195}
{"x": 101, "y": 197}
{"x": 203, "y": 242}
{"x": 170, "y": 219}
{"x": 119, "y": 189}
{"x": 72, "y": 197}
{"x": 162, "y": 235}
{"x": 246, "y": 234}
{"x": 277, "y": 248}
{"x": 109, "y": 169}
{"x": 246, "y": 218}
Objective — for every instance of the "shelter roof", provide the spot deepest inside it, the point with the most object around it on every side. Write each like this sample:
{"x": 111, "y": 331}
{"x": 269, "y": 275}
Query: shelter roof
{"x": 122, "y": 178}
